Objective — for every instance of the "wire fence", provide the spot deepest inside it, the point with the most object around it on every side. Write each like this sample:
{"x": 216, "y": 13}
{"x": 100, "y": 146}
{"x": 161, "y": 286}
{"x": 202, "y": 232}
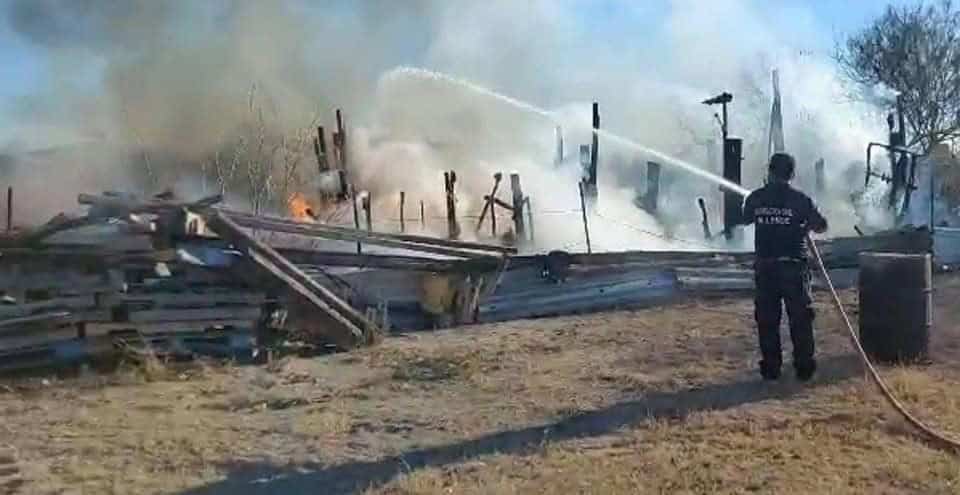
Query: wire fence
{"x": 598, "y": 221}
{"x": 435, "y": 222}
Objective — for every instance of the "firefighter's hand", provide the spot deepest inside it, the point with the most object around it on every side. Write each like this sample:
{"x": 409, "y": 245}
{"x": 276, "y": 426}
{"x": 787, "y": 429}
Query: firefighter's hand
{"x": 817, "y": 227}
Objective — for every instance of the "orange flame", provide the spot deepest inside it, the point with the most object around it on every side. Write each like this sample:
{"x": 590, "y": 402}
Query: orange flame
{"x": 300, "y": 208}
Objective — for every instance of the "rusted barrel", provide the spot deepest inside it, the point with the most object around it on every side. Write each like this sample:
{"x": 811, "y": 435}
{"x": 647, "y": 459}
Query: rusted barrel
{"x": 896, "y": 306}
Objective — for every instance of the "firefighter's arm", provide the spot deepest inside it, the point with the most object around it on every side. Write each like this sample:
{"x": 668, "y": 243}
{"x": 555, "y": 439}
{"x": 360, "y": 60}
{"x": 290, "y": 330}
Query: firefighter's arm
{"x": 747, "y": 212}
{"x": 816, "y": 221}
{"x": 745, "y": 217}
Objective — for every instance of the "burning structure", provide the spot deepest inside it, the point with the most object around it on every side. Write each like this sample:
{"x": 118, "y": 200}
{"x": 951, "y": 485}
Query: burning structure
{"x": 183, "y": 277}
{"x": 393, "y": 214}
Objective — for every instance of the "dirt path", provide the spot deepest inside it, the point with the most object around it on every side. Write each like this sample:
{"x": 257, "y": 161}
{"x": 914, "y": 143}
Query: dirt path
{"x": 654, "y": 400}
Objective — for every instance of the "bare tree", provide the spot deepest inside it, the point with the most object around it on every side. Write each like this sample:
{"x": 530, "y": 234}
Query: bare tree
{"x": 148, "y": 169}
{"x": 226, "y": 170}
{"x": 293, "y": 150}
{"x": 914, "y": 51}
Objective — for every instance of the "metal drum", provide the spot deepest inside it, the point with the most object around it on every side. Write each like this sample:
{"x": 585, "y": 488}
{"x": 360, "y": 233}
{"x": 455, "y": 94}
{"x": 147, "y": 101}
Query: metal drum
{"x": 896, "y": 306}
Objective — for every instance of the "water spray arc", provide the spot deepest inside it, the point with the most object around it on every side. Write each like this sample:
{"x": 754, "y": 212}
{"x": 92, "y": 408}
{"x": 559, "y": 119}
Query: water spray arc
{"x": 424, "y": 74}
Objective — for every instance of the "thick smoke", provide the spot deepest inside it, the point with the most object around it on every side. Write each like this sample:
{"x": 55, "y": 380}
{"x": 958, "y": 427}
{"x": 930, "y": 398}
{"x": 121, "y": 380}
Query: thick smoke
{"x": 185, "y": 80}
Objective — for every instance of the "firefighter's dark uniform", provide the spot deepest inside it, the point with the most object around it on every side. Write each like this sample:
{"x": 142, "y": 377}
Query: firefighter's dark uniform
{"x": 782, "y": 215}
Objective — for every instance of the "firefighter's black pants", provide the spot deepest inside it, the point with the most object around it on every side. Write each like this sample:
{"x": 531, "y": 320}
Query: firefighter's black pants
{"x": 784, "y": 282}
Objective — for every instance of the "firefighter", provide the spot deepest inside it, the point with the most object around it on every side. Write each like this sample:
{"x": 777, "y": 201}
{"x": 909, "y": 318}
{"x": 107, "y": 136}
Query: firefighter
{"x": 782, "y": 216}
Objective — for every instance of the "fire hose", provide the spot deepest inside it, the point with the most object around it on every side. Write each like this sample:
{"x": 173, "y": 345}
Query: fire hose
{"x": 938, "y": 438}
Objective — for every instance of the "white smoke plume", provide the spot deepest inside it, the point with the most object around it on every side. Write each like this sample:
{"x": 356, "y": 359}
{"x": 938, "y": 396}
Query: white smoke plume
{"x": 178, "y": 78}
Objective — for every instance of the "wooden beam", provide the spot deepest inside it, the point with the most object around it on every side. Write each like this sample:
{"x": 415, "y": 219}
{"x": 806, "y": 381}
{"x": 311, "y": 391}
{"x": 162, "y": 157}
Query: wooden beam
{"x": 208, "y": 299}
{"x": 268, "y": 223}
{"x": 57, "y": 224}
{"x": 351, "y": 328}
{"x": 127, "y": 205}
{"x": 353, "y": 235}
{"x": 250, "y": 314}
{"x": 48, "y": 317}
{"x": 86, "y": 255}
{"x": 499, "y": 202}
{"x": 389, "y": 262}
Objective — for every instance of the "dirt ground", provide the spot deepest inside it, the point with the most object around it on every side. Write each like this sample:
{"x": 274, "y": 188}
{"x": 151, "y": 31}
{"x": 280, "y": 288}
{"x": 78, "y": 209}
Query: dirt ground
{"x": 655, "y": 401}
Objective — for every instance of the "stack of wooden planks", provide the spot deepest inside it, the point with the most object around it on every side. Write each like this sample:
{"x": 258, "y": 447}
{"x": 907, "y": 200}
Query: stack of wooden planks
{"x": 192, "y": 277}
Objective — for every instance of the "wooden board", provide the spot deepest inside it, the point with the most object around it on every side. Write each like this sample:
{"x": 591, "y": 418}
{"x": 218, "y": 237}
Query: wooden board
{"x": 72, "y": 303}
{"x": 190, "y": 300}
{"x": 192, "y": 315}
{"x": 344, "y": 233}
{"x": 348, "y": 327}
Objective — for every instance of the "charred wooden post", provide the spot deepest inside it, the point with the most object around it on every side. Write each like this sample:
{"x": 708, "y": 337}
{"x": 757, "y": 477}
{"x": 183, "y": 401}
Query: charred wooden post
{"x": 652, "y": 195}
{"x": 9, "y": 208}
{"x": 450, "y": 184}
{"x": 493, "y": 218}
{"x": 344, "y": 186}
{"x": 732, "y": 202}
{"x": 518, "y": 221}
{"x": 526, "y": 203}
{"x": 594, "y": 154}
{"x": 705, "y": 219}
{"x": 819, "y": 179}
{"x": 340, "y": 142}
{"x": 583, "y": 213}
{"x": 366, "y": 211}
{"x": 488, "y": 205}
{"x": 584, "y": 160}
{"x": 356, "y": 215}
{"x": 499, "y": 202}
{"x": 558, "y": 159}
{"x": 402, "y": 201}
{"x": 898, "y": 162}
{"x": 320, "y": 149}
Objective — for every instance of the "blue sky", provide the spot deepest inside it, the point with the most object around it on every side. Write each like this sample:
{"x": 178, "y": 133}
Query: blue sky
{"x": 22, "y": 66}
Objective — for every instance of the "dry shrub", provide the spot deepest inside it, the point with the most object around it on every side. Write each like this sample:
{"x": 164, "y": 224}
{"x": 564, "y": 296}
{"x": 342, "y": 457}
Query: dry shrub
{"x": 325, "y": 421}
{"x": 440, "y": 365}
{"x": 430, "y": 369}
{"x": 145, "y": 366}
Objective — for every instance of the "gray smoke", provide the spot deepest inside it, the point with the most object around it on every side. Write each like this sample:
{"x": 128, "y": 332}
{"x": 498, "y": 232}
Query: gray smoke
{"x": 179, "y": 76}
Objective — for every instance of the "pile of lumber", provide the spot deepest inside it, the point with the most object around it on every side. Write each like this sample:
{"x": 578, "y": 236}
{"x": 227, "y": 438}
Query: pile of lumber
{"x": 189, "y": 277}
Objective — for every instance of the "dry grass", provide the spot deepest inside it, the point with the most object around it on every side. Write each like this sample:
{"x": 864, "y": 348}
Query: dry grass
{"x": 656, "y": 401}
{"x": 834, "y": 443}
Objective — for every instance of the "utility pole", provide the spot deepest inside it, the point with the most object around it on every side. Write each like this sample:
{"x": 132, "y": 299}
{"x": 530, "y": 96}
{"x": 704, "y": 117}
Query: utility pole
{"x": 732, "y": 157}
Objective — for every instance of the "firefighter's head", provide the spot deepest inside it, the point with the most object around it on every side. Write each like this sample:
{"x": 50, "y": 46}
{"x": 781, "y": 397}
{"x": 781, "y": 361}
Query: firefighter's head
{"x": 782, "y": 166}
